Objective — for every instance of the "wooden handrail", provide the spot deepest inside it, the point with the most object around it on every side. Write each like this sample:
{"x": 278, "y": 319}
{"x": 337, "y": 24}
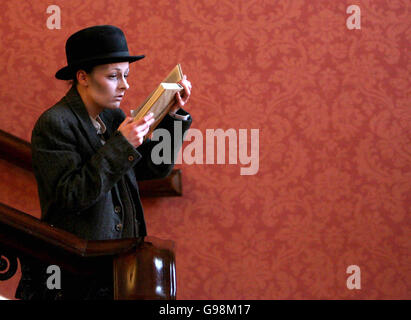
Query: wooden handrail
{"x": 15, "y": 150}
{"x": 18, "y": 151}
{"x": 61, "y": 238}
{"x": 140, "y": 268}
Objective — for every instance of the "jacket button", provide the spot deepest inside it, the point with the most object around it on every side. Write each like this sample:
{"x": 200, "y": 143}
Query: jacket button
{"x": 130, "y": 158}
{"x": 59, "y": 296}
{"x": 119, "y": 226}
{"x": 117, "y": 209}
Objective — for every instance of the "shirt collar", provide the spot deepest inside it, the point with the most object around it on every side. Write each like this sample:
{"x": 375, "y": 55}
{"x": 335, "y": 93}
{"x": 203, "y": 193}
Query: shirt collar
{"x": 98, "y": 124}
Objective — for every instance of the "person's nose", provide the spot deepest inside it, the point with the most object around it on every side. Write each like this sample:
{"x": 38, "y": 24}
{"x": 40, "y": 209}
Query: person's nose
{"x": 123, "y": 84}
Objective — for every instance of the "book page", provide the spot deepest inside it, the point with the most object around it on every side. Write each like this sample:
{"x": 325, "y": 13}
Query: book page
{"x": 164, "y": 100}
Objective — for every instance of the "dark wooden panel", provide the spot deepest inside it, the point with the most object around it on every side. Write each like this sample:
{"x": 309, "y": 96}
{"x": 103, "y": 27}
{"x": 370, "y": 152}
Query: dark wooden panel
{"x": 146, "y": 273}
{"x": 170, "y": 186}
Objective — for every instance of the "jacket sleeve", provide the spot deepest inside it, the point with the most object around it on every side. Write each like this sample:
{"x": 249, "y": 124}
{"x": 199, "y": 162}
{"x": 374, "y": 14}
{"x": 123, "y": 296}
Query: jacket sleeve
{"x": 65, "y": 179}
{"x": 146, "y": 169}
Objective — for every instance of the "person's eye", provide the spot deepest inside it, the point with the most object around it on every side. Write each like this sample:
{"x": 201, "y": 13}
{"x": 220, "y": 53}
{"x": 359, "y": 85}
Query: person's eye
{"x": 126, "y": 76}
{"x": 112, "y": 76}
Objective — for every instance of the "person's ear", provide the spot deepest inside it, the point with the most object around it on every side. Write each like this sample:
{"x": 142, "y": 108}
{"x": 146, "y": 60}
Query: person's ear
{"x": 82, "y": 78}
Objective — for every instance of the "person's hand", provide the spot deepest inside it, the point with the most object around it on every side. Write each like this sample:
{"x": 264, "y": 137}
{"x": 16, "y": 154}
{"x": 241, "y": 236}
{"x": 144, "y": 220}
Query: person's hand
{"x": 182, "y": 99}
{"x": 134, "y": 131}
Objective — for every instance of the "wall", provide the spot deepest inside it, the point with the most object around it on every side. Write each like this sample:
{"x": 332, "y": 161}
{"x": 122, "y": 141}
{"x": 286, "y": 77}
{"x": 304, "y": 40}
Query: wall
{"x": 332, "y": 106}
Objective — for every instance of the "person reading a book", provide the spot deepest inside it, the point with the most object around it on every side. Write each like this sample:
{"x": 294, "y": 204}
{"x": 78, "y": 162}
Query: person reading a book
{"x": 87, "y": 155}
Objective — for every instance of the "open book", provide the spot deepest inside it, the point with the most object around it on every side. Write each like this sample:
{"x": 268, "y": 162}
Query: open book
{"x": 162, "y": 99}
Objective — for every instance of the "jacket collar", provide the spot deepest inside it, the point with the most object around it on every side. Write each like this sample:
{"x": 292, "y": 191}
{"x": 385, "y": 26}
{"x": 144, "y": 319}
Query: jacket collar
{"x": 76, "y": 104}
{"x": 99, "y": 125}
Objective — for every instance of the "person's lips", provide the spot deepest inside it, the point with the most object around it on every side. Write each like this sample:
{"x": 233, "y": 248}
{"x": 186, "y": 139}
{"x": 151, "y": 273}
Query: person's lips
{"x": 119, "y": 97}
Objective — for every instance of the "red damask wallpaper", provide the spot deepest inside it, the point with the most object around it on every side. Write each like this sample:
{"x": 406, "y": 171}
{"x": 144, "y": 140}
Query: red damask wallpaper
{"x": 330, "y": 97}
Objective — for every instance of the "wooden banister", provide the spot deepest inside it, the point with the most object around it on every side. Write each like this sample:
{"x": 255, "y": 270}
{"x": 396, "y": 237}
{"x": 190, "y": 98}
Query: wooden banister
{"x": 130, "y": 265}
{"x": 59, "y": 238}
{"x": 15, "y": 150}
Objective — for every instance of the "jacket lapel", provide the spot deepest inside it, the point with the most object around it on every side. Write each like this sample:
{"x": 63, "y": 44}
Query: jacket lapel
{"x": 74, "y": 101}
{"x": 107, "y": 118}
{"x": 108, "y": 122}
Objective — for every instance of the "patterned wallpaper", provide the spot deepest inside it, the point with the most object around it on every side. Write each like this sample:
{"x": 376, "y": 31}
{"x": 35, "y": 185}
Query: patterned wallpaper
{"x": 332, "y": 108}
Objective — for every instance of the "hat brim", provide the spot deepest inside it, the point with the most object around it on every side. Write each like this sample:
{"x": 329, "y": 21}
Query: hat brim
{"x": 67, "y": 73}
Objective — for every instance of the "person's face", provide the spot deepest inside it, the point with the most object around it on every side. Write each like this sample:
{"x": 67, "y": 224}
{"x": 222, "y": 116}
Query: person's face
{"x": 107, "y": 84}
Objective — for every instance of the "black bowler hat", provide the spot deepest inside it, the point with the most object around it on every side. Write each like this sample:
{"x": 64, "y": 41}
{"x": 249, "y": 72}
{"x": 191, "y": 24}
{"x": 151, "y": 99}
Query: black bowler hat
{"x": 93, "y": 46}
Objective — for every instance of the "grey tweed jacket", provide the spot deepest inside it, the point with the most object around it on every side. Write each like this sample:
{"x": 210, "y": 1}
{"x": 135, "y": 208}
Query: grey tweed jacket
{"x": 77, "y": 175}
